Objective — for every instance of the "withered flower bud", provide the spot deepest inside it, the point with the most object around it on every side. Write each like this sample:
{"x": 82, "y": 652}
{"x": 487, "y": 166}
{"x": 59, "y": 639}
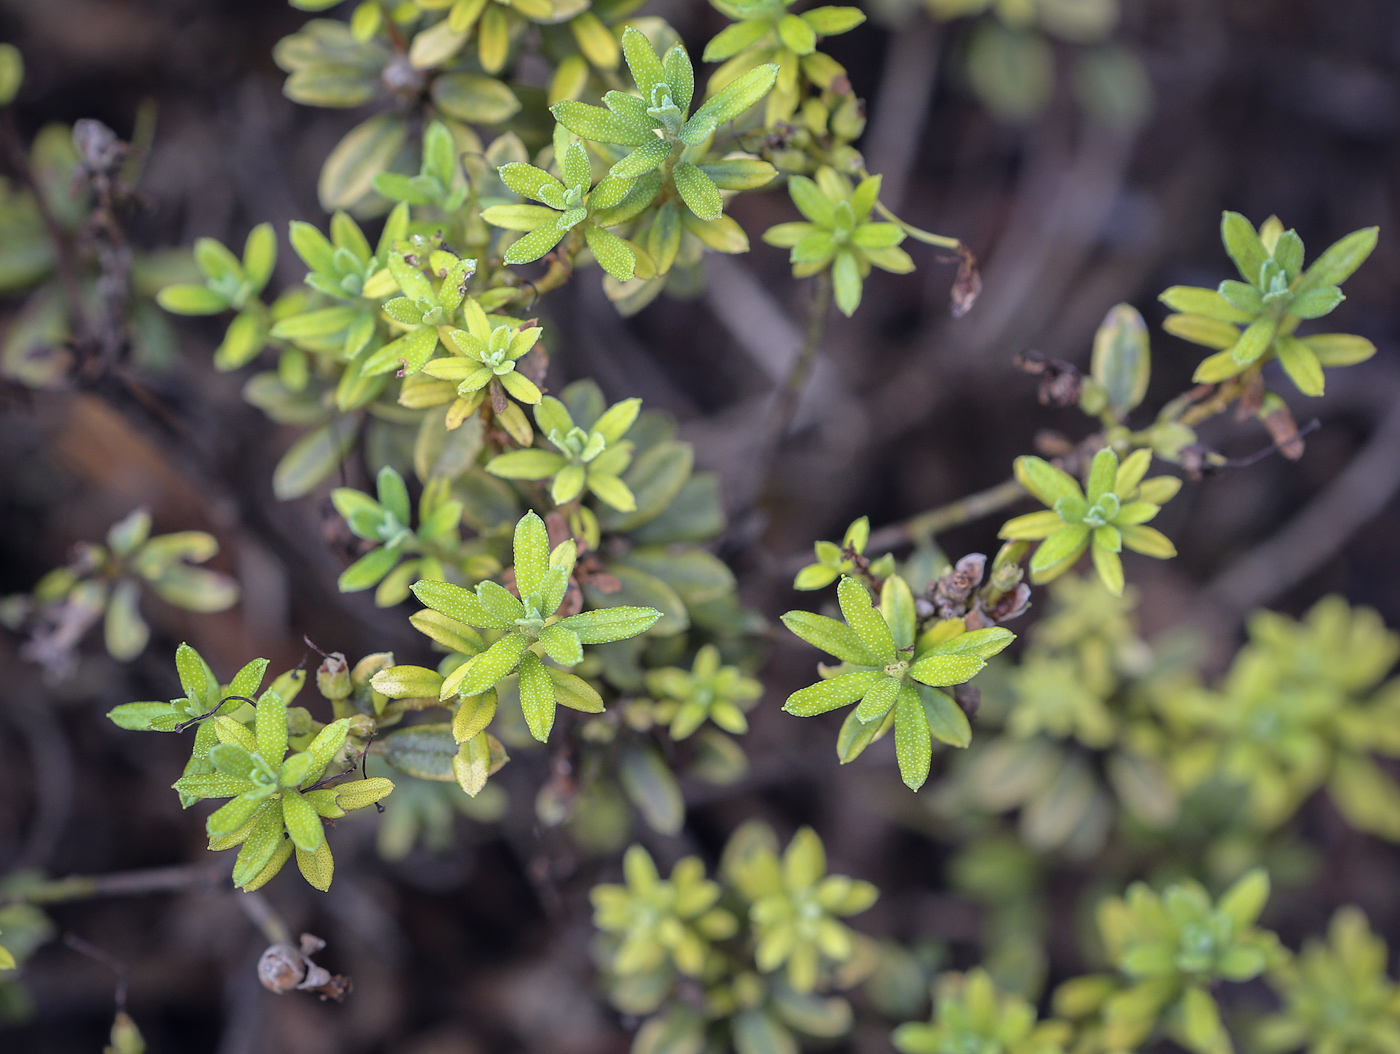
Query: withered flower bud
{"x": 333, "y": 677}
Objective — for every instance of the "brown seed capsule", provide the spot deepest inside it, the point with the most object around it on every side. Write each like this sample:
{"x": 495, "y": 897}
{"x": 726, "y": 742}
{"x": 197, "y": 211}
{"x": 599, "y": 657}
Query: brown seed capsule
{"x": 283, "y": 968}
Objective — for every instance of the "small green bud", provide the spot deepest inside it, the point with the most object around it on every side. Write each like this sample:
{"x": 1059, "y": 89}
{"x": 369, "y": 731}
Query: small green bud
{"x": 333, "y": 677}
{"x": 11, "y": 73}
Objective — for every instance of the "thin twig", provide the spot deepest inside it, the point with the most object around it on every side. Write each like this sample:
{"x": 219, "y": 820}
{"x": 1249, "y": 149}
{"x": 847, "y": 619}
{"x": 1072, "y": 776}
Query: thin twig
{"x": 265, "y": 917}
{"x": 64, "y": 263}
{"x": 118, "y": 884}
{"x": 51, "y": 760}
{"x": 112, "y": 963}
{"x": 786, "y": 399}
{"x": 1316, "y": 534}
{"x": 902, "y": 105}
{"x": 954, "y": 514}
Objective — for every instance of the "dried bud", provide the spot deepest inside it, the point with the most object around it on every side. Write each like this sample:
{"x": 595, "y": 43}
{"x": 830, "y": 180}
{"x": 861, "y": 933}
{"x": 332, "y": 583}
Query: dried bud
{"x": 1283, "y": 430}
{"x": 968, "y": 284}
{"x": 283, "y": 968}
{"x": 98, "y": 145}
{"x": 402, "y": 78}
{"x": 950, "y": 593}
{"x": 1198, "y": 461}
{"x": 333, "y": 677}
{"x": 1060, "y": 382}
{"x": 1011, "y": 604}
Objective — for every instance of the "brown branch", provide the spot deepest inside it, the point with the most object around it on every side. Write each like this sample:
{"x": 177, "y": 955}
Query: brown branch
{"x": 1317, "y": 533}
{"x": 65, "y": 262}
{"x": 954, "y": 514}
{"x": 119, "y": 884}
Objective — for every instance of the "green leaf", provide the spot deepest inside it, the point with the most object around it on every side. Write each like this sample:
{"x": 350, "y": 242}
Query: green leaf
{"x": 756, "y": 1032}
{"x": 366, "y": 150}
{"x": 1201, "y": 1026}
{"x": 198, "y": 681}
{"x": 317, "y": 867}
{"x": 529, "y": 181}
{"x": 834, "y": 638}
{"x": 600, "y": 125}
{"x": 320, "y": 323}
{"x": 424, "y": 751}
{"x": 740, "y": 36}
{"x": 1203, "y": 331}
{"x": 612, "y": 253}
{"x": 270, "y": 727}
{"x": 1103, "y": 471}
{"x": 481, "y": 672}
{"x": 1047, "y": 482}
{"x": 1122, "y": 359}
{"x": 1300, "y": 363}
{"x": 138, "y": 717}
{"x": 369, "y": 569}
{"x": 574, "y": 692}
{"x": 680, "y": 76}
{"x": 654, "y": 478}
{"x": 945, "y": 718}
{"x": 1109, "y": 566}
{"x": 1208, "y": 303}
{"x": 261, "y": 843}
{"x": 312, "y": 246}
{"x": 124, "y": 631}
{"x": 243, "y": 340}
{"x": 313, "y": 458}
{"x": 796, "y": 34}
{"x": 537, "y": 700}
{"x": 913, "y": 745}
{"x": 862, "y": 616}
{"x": 878, "y": 699}
{"x": 1339, "y": 261}
{"x": 191, "y": 300}
{"x": 610, "y": 624}
{"x": 831, "y": 21}
{"x": 652, "y": 788}
{"x": 1316, "y": 302}
{"x": 531, "y": 548}
{"x": 612, "y": 491}
{"x": 323, "y": 749}
{"x": 739, "y": 173}
{"x": 698, "y": 191}
{"x": 1058, "y": 552}
{"x": 217, "y": 263}
{"x": 1254, "y": 341}
{"x": 737, "y": 96}
{"x": 831, "y": 693}
{"x": 449, "y": 632}
{"x": 562, "y": 645}
{"x": 475, "y": 98}
{"x": 1339, "y": 349}
{"x": 525, "y": 464}
{"x": 472, "y": 763}
{"x": 230, "y": 816}
{"x": 942, "y": 670}
{"x": 303, "y": 823}
{"x": 1243, "y": 245}
{"x": 407, "y": 682}
{"x": 11, "y": 78}
{"x": 645, "y": 67}
{"x": 1244, "y": 901}
{"x": 459, "y": 604}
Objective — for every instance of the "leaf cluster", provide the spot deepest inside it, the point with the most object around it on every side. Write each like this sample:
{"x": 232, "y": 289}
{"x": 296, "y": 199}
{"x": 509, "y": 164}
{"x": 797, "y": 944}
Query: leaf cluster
{"x": 104, "y": 582}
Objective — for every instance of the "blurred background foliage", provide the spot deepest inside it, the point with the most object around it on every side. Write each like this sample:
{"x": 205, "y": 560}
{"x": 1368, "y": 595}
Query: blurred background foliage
{"x": 1084, "y": 149}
